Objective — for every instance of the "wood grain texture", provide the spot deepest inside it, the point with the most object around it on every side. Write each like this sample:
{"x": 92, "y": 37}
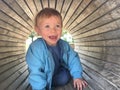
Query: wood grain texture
{"x": 93, "y": 24}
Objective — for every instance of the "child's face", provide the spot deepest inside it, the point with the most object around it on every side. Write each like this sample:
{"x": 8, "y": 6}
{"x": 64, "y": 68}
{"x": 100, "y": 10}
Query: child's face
{"x": 50, "y": 29}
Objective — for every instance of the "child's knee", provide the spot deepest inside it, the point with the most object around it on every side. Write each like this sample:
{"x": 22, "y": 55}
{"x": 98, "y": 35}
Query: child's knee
{"x": 64, "y": 80}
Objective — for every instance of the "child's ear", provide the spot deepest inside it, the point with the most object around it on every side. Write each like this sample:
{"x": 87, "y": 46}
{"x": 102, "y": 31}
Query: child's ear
{"x": 37, "y": 30}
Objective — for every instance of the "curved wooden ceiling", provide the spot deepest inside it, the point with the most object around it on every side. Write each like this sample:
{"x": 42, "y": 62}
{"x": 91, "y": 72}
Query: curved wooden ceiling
{"x": 94, "y": 25}
{"x": 76, "y": 13}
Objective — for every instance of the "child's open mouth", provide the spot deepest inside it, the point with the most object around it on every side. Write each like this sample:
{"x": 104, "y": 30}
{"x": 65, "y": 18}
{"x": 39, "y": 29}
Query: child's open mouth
{"x": 53, "y": 37}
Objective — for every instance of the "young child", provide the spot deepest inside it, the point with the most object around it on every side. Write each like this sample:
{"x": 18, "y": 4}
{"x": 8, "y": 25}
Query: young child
{"x": 51, "y": 61}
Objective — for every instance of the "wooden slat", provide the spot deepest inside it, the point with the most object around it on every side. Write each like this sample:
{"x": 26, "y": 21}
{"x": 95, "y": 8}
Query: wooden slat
{"x": 71, "y": 11}
{"x": 19, "y": 80}
{"x": 32, "y": 6}
{"x": 6, "y": 75}
{"x": 65, "y": 8}
{"x": 21, "y": 13}
{"x": 84, "y": 17}
{"x": 7, "y": 43}
{"x": 45, "y": 3}
{"x": 12, "y": 23}
{"x": 101, "y": 82}
{"x": 24, "y": 7}
{"x": 101, "y": 18}
{"x": 78, "y": 12}
{"x": 59, "y": 5}
{"x": 10, "y": 38}
{"x": 11, "y": 59}
{"x": 15, "y": 26}
{"x": 93, "y": 24}
{"x": 11, "y": 53}
{"x": 52, "y": 3}
{"x": 10, "y": 33}
{"x": 11, "y": 13}
{"x": 38, "y": 5}
{"x": 24, "y": 85}
{"x": 10, "y": 65}
{"x": 8, "y": 82}
{"x": 108, "y": 28}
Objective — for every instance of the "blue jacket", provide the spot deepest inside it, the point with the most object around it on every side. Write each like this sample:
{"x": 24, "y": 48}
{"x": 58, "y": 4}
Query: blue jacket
{"x": 41, "y": 63}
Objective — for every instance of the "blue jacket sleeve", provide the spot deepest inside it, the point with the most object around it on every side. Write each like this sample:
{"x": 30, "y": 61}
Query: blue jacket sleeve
{"x": 74, "y": 63}
{"x": 37, "y": 77}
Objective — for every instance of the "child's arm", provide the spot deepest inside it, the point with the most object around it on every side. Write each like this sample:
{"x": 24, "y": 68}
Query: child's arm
{"x": 74, "y": 64}
{"x": 37, "y": 77}
{"x": 76, "y": 70}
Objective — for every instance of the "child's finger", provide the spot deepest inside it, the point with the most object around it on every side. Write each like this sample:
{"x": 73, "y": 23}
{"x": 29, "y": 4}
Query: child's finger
{"x": 79, "y": 87}
{"x": 74, "y": 85}
{"x": 84, "y": 83}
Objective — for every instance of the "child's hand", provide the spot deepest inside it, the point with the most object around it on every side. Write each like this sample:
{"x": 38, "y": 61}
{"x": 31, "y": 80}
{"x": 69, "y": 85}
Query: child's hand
{"x": 79, "y": 84}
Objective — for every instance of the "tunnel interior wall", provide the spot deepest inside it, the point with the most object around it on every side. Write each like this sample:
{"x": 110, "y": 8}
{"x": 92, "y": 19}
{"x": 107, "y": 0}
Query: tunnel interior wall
{"x": 97, "y": 40}
{"x": 93, "y": 24}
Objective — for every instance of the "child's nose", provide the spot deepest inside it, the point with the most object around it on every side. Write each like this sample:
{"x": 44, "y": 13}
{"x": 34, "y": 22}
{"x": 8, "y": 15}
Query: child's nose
{"x": 53, "y": 30}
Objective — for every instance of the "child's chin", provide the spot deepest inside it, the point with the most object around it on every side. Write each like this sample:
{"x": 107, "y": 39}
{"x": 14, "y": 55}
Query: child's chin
{"x": 53, "y": 44}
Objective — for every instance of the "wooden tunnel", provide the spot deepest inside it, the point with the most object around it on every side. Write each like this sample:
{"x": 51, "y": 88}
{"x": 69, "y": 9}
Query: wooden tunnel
{"x": 93, "y": 24}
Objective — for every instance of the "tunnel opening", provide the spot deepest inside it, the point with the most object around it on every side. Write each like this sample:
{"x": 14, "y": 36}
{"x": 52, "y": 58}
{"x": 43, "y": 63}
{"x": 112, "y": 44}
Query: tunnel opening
{"x": 32, "y": 37}
{"x": 95, "y": 29}
{"x": 67, "y": 37}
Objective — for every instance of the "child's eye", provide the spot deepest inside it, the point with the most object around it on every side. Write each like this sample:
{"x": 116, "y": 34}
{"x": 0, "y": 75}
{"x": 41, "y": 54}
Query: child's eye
{"x": 47, "y": 26}
{"x": 58, "y": 26}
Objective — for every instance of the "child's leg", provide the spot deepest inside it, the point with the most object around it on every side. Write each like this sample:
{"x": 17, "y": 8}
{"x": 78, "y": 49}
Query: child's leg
{"x": 61, "y": 78}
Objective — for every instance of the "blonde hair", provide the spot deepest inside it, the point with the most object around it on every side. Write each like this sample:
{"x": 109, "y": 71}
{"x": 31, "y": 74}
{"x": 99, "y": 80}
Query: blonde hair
{"x": 46, "y": 13}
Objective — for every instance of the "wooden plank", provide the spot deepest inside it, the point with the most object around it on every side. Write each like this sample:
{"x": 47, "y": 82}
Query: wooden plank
{"x": 13, "y": 24}
{"x": 9, "y": 65}
{"x": 19, "y": 11}
{"x": 102, "y": 43}
{"x": 10, "y": 33}
{"x": 100, "y": 81}
{"x": 103, "y": 50}
{"x": 99, "y": 30}
{"x": 10, "y": 54}
{"x": 93, "y": 85}
{"x": 31, "y": 6}
{"x": 65, "y": 8}
{"x": 8, "y": 81}
{"x": 9, "y": 59}
{"x": 5, "y": 43}
{"x": 23, "y": 5}
{"x": 38, "y": 5}
{"x": 102, "y": 56}
{"x": 11, "y": 39}
{"x": 106, "y": 70}
{"x": 11, "y": 13}
{"x": 85, "y": 15}
{"x": 45, "y": 3}
{"x": 77, "y": 13}
{"x": 72, "y": 9}
{"x": 59, "y": 5}
{"x": 52, "y": 3}
{"x": 8, "y": 49}
{"x": 19, "y": 80}
{"x": 24, "y": 85}
{"x": 101, "y": 19}
{"x": 10, "y": 72}
{"x": 94, "y": 25}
